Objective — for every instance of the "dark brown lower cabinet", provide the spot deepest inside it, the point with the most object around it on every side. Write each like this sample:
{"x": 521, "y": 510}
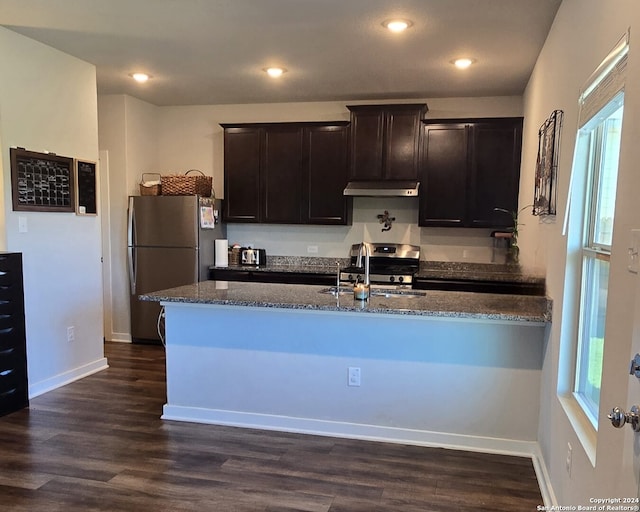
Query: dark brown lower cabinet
{"x": 256, "y": 276}
{"x": 14, "y": 391}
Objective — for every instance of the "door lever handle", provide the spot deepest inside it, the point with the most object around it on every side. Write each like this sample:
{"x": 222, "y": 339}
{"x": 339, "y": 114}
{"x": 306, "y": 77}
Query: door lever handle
{"x": 619, "y": 418}
{"x": 634, "y": 368}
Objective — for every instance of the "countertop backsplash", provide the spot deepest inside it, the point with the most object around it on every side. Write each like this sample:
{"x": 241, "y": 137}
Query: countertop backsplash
{"x": 473, "y": 245}
{"x": 452, "y": 269}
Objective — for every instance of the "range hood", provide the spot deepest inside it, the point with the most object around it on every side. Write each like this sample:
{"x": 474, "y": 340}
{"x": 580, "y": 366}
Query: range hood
{"x": 382, "y": 188}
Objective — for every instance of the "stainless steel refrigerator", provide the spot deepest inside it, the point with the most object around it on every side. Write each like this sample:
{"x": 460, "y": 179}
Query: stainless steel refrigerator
{"x": 170, "y": 243}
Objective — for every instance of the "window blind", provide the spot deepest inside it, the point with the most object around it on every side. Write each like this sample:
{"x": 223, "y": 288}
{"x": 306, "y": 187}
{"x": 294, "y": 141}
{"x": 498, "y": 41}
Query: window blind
{"x": 605, "y": 82}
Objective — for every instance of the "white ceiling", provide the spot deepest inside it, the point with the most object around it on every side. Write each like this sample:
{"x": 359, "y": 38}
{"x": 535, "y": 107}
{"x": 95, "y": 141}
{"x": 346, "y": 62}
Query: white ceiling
{"x": 202, "y": 52}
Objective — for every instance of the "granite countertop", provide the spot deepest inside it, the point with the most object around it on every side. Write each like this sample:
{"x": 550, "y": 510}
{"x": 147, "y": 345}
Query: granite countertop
{"x": 478, "y": 272}
{"x": 293, "y": 265}
{"x": 496, "y": 272}
{"x": 479, "y": 306}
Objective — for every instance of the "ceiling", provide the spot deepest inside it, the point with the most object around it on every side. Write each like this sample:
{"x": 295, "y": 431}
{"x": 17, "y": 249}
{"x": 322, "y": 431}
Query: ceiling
{"x": 204, "y": 52}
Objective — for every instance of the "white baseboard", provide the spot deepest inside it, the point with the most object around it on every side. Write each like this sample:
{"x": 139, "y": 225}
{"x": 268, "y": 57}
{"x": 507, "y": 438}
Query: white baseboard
{"x": 62, "y": 379}
{"x": 350, "y": 430}
{"x": 120, "y": 337}
{"x": 544, "y": 480}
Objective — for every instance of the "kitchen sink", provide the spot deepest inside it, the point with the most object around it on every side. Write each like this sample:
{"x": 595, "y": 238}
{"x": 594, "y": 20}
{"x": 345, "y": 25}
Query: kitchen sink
{"x": 394, "y": 292}
{"x": 342, "y": 290}
{"x": 375, "y": 292}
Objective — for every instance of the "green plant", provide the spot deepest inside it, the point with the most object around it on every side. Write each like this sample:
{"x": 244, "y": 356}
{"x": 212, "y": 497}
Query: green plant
{"x": 516, "y": 223}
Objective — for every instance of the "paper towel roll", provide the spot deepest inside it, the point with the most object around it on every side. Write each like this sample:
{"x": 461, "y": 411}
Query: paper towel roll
{"x": 222, "y": 253}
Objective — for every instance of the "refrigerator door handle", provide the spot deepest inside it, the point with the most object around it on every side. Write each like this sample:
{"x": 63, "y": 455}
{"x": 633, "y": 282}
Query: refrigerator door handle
{"x": 130, "y": 248}
{"x": 132, "y": 270}
{"x": 130, "y": 223}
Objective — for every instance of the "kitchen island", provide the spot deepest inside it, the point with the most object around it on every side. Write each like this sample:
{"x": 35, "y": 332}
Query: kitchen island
{"x": 446, "y": 368}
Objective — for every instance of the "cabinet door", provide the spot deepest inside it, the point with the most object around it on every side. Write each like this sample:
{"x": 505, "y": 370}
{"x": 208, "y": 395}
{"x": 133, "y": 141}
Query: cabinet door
{"x": 242, "y": 149}
{"x": 326, "y": 167}
{"x": 495, "y": 148}
{"x": 443, "y": 177}
{"x": 385, "y": 141}
{"x": 282, "y": 174}
{"x": 367, "y": 139}
{"x": 401, "y": 145}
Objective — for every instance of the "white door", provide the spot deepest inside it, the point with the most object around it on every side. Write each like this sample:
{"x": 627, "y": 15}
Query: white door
{"x": 631, "y": 455}
{"x": 106, "y": 244}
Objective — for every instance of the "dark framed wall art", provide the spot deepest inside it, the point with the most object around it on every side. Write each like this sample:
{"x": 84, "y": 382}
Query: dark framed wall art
{"x": 546, "y": 194}
{"x": 42, "y": 182}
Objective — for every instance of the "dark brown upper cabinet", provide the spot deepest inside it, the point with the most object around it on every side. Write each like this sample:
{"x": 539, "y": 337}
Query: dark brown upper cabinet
{"x": 243, "y": 146}
{"x": 326, "y": 150}
{"x": 385, "y": 141}
{"x": 281, "y": 174}
{"x": 470, "y": 167}
{"x": 286, "y": 173}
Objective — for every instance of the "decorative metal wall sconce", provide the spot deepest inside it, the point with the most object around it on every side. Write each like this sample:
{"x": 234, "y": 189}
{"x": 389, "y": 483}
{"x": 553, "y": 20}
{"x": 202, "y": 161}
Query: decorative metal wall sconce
{"x": 545, "y": 198}
{"x": 385, "y": 219}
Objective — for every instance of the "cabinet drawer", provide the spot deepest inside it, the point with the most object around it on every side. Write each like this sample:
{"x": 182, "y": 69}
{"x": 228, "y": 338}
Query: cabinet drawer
{"x": 12, "y": 337}
{"x": 14, "y": 399}
{"x": 13, "y": 371}
{"x": 11, "y": 379}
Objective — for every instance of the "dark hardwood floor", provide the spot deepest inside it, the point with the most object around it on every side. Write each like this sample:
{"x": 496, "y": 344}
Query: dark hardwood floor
{"x": 99, "y": 445}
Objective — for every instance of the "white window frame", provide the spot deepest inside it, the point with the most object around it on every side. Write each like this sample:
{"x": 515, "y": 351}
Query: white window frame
{"x": 605, "y": 84}
{"x": 592, "y": 250}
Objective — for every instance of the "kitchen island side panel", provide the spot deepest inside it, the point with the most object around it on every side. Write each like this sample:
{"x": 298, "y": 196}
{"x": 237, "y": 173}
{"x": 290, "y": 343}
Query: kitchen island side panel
{"x": 287, "y": 370}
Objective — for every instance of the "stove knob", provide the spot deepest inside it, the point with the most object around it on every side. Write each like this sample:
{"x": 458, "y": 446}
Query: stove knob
{"x": 350, "y": 277}
{"x": 392, "y": 279}
{"x": 401, "y": 279}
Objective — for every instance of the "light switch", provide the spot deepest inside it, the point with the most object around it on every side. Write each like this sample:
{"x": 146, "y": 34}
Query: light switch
{"x": 22, "y": 225}
{"x": 634, "y": 252}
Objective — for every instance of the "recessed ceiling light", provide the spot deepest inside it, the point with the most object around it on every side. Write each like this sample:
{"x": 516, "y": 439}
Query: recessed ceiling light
{"x": 275, "y": 72}
{"x": 463, "y": 63}
{"x": 140, "y": 77}
{"x": 397, "y": 25}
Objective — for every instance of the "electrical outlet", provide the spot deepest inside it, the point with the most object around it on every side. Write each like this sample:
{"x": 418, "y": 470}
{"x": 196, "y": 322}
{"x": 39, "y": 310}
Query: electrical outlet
{"x": 71, "y": 334}
{"x": 312, "y": 249}
{"x": 354, "y": 376}
{"x": 569, "y": 457}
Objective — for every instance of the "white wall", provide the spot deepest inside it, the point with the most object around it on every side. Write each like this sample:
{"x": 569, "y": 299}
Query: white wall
{"x": 583, "y": 33}
{"x": 128, "y": 132}
{"x": 443, "y": 381}
{"x": 48, "y": 103}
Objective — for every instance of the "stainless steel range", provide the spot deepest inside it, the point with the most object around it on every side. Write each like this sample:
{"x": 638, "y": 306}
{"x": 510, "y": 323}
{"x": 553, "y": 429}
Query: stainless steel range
{"x": 389, "y": 264}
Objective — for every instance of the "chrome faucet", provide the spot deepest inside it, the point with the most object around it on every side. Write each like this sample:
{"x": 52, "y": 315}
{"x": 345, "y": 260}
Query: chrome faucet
{"x": 366, "y": 250}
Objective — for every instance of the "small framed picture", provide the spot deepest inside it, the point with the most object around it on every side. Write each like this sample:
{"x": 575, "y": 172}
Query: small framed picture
{"x": 86, "y": 188}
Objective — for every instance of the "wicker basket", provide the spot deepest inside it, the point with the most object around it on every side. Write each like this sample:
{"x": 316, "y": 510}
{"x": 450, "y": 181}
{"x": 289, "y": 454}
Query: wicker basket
{"x": 154, "y": 189}
{"x": 185, "y": 185}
